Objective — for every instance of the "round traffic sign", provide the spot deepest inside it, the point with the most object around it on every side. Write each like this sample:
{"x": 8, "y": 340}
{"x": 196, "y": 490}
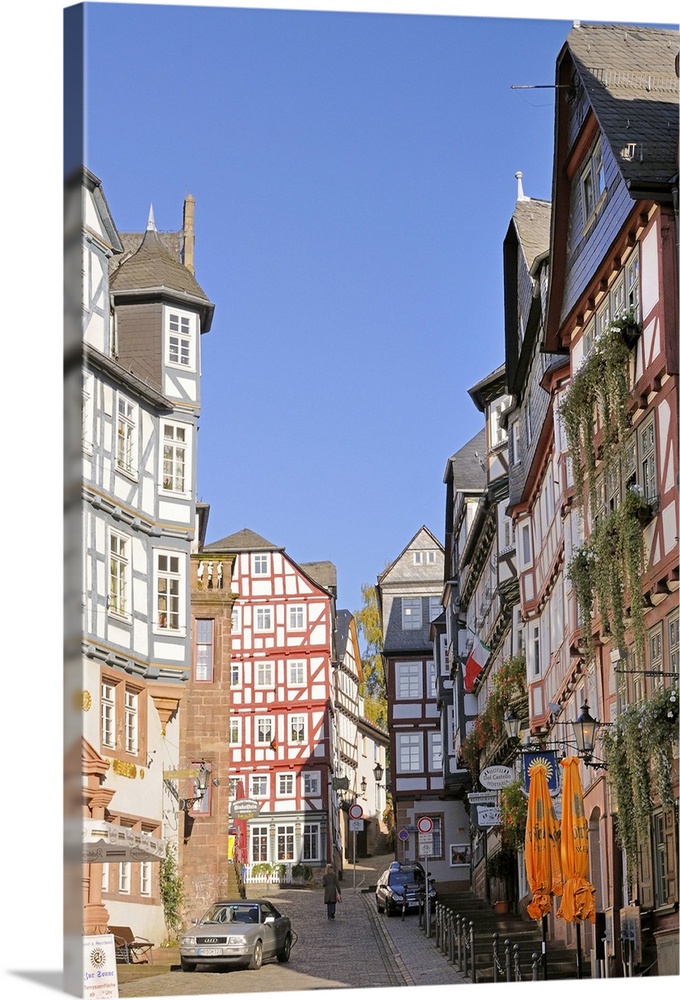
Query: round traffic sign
{"x": 356, "y": 811}
{"x": 403, "y": 834}
{"x": 425, "y": 824}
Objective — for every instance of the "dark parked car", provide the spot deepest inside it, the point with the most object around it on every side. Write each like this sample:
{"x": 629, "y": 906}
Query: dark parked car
{"x": 237, "y": 932}
{"x": 403, "y": 883}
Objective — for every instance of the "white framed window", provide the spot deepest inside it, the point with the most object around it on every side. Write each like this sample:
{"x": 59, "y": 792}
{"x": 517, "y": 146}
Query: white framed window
{"x": 526, "y": 545}
{"x": 656, "y": 649}
{"x": 236, "y": 619}
{"x": 145, "y": 878}
{"x": 297, "y": 729}
{"x": 259, "y": 843}
{"x": 124, "y": 877}
{"x": 311, "y": 783}
{"x": 126, "y": 436}
{"x": 175, "y": 458}
{"x": 235, "y": 673}
{"x": 105, "y": 876}
{"x": 264, "y": 730}
{"x": 260, "y": 564}
{"x": 203, "y": 670}
{"x": 131, "y": 721}
{"x": 648, "y": 460}
{"x": 408, "y": 678}
{"x": 296, "y": 673}
{"x": 264, "y": 674}
{"x": 409, "y": 752}
{"x": 411, "y": 613}
{"x": 436, "y": 754}
{"x": 311, "y": 842}
{"x": 593, "y": 184}
{"x": 108, "y": 719}
{"x": 234, "y": 730}
{"x": 632, "y": 273}
{"x": 418, "y": 558}
{"x": 180, "y": 340}
{"x": 534, "y": 649}
{"x": 285, "y": 842}
{"x": 87, "y": 412}
{"x": 285, "y": 785}
{"x": 263, "y": 618}
{"x": 296, "y": 617}
{"x": 431, "y": 557}
{"x": 431, "y": 679}
{"x": 435, "y": 608}
{"x": 259, "y": 786}
{"x": 514, "y": 443}
{"x": 169, "y": 591}
{"x": 119, "y": 568}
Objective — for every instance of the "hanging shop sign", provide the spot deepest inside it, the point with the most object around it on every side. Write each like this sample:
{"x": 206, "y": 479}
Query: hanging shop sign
{"x": 497, "y": 776}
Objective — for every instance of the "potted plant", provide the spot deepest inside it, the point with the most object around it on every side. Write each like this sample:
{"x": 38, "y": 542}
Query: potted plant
{"x": 500, "y": 867}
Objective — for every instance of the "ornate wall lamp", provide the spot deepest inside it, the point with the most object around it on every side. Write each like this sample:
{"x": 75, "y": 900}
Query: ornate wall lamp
{"x": 585, "y": 734}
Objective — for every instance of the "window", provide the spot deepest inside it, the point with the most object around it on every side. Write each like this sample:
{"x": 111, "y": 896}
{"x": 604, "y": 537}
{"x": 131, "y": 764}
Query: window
{"x": 258, "y": 843}
{"x": 655, "y": 649}
{"x": 145, "y": 878}
{"x": 180, "y": 340}
{"x": 435, "y": 608}
{"x": 263, "y": 619}
{"x": 296, "y": 673}
{"x": 235, "y": 674}
{"x": 632, "y": 274}
{"x": 514, "y": 443}
{"x": 297, "y": 728}
{"x": 168, "y": 583}
{"x": 131, "y": 722}
{"x": 235, "y": 619}
{"x": 204, "y": 649}
{"x": 286, "y": 785}
{"x": 175, "y": 455}
{"x": 108, "y": 714}
{"x": 436, "y": 756}
{"x": 264, "y": 675}
{"x": 534, "y": 650}
{"x": 673, "y": 643}
{"x": 105, "y": 876}
{"x": 296, "y": 617}
{"x": 431, "y": 557}
{"x": 593, "y": 183}
{"x": 418, "y": 558}
{"x": 124, "y": 877}
{"x": 126, "y": 434}
{"x": 259, "y": 786}
{"x": 260, "y": 564}
{"x": 86, "y": 412}
{"x": 311, "y": 842}
{"x": 311, "y": 783}
{"x": 411, "y": 613}
{"x": 264, "y": 729}
{"x": 431, "y": 680}
{"x": 409, "y": 752}
{"x": 285, "y": 843}
{"x": 234, "y": 729}
{"x": 648, "y": 460}
{"x": 409, "y": 680}
{"x": 118, "y": 574}
{"x": 526, "y": 545}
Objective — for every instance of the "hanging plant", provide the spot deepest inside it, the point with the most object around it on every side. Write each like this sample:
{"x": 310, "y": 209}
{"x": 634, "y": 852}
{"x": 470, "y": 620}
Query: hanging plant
{"x": 471, "y": 752}
{"x": 581, "y": 572}
{"x": 658, "y": 729}
{"x": 514, "y": 803}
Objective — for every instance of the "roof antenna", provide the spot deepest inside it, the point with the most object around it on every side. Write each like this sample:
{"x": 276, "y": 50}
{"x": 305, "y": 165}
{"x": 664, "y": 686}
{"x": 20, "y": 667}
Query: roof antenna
{"x": 520, "y": 192}
{"x": 151, "y": 224}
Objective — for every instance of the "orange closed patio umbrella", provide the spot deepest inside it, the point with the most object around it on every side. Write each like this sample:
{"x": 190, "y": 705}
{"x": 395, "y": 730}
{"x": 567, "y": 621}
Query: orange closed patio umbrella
{"x": 578, "y": 894}
{"x": 541, "y": 843}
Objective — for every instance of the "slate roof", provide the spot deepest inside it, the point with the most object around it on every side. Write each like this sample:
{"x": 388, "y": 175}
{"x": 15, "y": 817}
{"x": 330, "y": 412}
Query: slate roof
{"x": 489, "y": 388}
{"x": 244, "y": 540}
{"x": 629, "y": 74}
{"x": 343, "y": 618}
{"x": 532, "y": 222}
{"x": 153, "y": 268}
{"x": 323, "y": 573}
{"x": 468, "y": 471}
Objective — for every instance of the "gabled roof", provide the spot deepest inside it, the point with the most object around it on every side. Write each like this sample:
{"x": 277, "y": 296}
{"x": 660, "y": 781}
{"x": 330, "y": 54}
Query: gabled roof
{"x": 342, "y": 623}
{"x": 489, "y": 388}
{"x": 323, "y": 573}
{"x": 244, "y": 540}
{"x": 466, "y": 468}
{"x": 425, "y": 529}
{"x": 531, "y": 220}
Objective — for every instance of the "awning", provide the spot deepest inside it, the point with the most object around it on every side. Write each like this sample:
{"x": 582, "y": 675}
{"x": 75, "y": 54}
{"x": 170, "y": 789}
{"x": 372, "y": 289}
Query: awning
{"x": 104, "y": 841}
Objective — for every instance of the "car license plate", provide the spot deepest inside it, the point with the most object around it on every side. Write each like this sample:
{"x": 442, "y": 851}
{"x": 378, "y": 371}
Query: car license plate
{"x": 209, "y": 951}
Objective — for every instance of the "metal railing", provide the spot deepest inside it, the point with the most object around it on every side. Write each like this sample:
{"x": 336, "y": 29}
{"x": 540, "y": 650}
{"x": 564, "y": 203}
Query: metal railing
{"x": 454, "y": 936}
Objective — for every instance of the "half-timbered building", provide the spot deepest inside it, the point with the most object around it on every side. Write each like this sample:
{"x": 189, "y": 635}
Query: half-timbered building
{"x": 282, "y": 735}
{"x": 143, "y": 317}
{"x": 409, "y": 593}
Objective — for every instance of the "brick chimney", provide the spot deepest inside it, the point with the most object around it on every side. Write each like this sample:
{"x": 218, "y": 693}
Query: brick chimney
{"x": 188, "y": 233}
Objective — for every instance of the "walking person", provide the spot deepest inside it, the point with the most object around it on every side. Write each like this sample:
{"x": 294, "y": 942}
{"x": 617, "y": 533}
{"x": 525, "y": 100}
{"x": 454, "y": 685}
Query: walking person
{"x": 331, "y": 891}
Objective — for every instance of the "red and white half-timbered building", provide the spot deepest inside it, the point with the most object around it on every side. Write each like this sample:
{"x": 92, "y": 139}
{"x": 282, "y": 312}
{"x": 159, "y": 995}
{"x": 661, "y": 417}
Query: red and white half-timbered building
{"x": 281, "y": 682}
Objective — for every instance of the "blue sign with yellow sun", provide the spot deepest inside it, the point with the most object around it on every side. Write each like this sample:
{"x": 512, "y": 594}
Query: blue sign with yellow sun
{"x": 548, "y": 758}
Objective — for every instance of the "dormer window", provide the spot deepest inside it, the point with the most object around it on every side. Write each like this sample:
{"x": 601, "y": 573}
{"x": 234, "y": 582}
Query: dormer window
{"x": 593, "y": 183}
{"x": 180, "y": 340}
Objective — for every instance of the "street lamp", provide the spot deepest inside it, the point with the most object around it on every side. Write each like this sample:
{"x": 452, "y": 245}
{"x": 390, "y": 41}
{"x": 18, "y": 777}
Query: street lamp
{"x": 363, "y": 786}
{"x": 378, "y": 773}
{"x": 512, "y": 723}
{"x": 585, "y": 733}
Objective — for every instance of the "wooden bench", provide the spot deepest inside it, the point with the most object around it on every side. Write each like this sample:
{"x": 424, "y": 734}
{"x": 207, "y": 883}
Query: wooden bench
{"x": 129, "y": 947}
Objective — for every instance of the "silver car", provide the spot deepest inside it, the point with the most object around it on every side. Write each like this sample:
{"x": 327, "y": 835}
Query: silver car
{"x": 237, "y": 932}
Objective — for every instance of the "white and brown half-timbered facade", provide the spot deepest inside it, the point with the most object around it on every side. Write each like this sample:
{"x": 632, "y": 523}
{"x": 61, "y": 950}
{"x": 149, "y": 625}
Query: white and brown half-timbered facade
{"x": 281, "y": 727}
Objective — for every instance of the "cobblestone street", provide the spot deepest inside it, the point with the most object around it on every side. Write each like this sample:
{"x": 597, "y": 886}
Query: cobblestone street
{"x": 360, "y": 948}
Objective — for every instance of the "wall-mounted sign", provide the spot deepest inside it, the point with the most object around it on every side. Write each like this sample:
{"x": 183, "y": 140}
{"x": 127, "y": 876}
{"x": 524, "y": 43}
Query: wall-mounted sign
{"x": 497, "y": 776}
{"x": 245, "y": 808}
{"x": 341, "y": 784}
{"x": 482, "y": 798}
{"x": 488, "y": 816}
{"x": 549, "y": 760}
